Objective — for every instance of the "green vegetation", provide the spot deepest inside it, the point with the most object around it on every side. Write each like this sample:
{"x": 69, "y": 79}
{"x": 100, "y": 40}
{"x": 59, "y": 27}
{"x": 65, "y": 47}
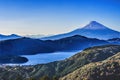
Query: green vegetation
{"x": 42, "y": 78}
{"x": 88, "y": 63}
{"x": 108, "y": 69}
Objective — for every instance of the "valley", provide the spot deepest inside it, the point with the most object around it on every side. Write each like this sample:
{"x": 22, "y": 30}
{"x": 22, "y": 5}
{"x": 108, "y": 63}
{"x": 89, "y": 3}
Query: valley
{"x": 64, "y": 67}
{"x": 59, "y": 39}
{"x": 71, "y": 56}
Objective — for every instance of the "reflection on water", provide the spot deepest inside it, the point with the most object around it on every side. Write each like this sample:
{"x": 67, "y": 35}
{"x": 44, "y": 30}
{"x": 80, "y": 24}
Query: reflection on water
{"x": 48, "y": 57}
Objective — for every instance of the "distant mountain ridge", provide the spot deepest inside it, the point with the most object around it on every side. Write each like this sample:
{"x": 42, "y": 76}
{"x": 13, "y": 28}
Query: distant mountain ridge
{"x": 92, "y": 30}
{"x": 114, "y": 40}
{"x": 6, "y": 37}
{"x": 27, "y": 46}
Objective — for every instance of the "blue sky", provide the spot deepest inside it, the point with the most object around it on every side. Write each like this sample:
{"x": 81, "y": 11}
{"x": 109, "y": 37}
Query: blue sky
{"x": 56, "y": 16}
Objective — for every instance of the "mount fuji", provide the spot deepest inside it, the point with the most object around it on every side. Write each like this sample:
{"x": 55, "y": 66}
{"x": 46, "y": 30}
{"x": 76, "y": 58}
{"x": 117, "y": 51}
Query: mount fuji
{"x": 92, "y": 30}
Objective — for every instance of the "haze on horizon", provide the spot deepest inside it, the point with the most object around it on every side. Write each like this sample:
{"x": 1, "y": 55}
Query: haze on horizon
{"x": 26, "y": 17}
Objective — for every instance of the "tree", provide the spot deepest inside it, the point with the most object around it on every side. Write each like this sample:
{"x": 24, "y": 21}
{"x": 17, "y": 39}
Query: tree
{"x": 31, "y": 78}
{"x": 55, "y": 78}
{"x": 45, "y": 78}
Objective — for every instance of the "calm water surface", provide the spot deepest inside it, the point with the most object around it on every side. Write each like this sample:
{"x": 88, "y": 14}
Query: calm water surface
{"x": 47, "y": 57}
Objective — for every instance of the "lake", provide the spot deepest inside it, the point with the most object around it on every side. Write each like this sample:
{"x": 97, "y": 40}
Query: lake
{"x": 47, "y": 57}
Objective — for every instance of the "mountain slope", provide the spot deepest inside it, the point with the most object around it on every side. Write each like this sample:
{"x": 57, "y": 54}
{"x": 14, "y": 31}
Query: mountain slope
{"x": 28, "y": 46}
{"x": 12, "y": 59}
{"x": 60, "y": 68}
{"x": 6, "y": 37}
{"x": 105, "y": 70}
{"x": 23, "y": 46}
{"x": 114, "y": 40}
{"x": 92, "y": 30}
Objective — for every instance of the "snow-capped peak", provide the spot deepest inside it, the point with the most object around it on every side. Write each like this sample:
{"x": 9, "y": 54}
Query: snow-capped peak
{"x": 94, "y": 25}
